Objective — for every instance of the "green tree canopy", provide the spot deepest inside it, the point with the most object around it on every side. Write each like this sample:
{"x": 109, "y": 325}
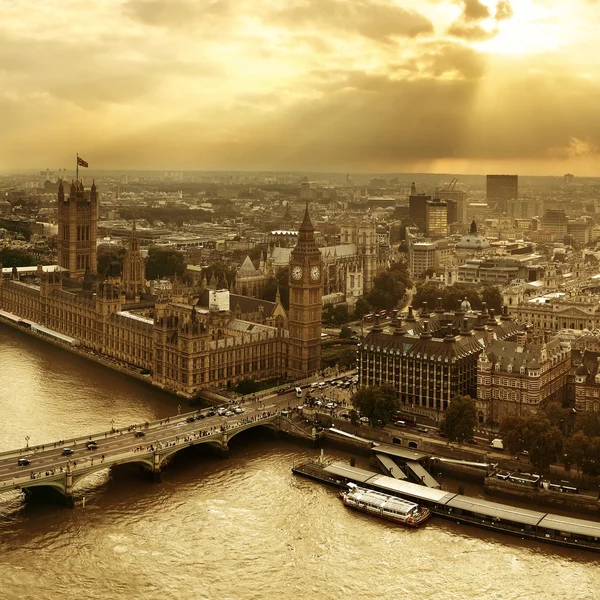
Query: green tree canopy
{"x": 491, "y": 295}
{"x": 379, "y": 404}
{"x": 543, "y": 440}
{"x": 577, "y": 448}
{"x": 282, "y": 278}
{"x": 511, "y": 432}
{"x": 16, "y": 258}
{"x": 345, "y": 333}
{"x": 163, "y": 262}
{"x": 460, "y": 419}
{"x": 247, "y": 386}
{"x": 224, "y": 273}
{"x": 453, "y": 295}
{"x": 387, "y": 291}
{"x": 111, "y": 258}
{"x": 361, "y": 308}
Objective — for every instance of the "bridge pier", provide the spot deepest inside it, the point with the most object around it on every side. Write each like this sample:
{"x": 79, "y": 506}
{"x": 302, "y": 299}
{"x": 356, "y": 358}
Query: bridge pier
{"x": 69, "y": 501}
{"x": 224, "y": 446}
{"x": 156, "y": 472}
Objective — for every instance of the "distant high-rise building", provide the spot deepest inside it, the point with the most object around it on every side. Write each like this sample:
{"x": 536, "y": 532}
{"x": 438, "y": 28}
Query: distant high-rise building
{"x": 569, "y": 178}
{"x": 556, "y": 222}
{"x": 501, "y": 189}
{"x": 417, "y": 208}
{"x": 523, "y": 208}
{"x": 457, "y": 205}
{"x": 306, "y": 191}
{"x": 436, "y": 218}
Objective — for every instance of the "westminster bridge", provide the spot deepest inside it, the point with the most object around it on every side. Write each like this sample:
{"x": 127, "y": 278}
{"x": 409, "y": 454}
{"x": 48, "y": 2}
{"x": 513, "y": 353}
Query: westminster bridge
{"x": 150, "y": 444}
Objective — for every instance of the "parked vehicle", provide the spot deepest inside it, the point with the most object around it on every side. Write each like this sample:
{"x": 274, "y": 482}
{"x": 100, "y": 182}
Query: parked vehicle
{"x": 497, "y": 444}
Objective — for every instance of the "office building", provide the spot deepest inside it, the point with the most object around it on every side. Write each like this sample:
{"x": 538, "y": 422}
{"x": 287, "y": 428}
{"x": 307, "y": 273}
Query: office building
{"x": 501, "y": 190}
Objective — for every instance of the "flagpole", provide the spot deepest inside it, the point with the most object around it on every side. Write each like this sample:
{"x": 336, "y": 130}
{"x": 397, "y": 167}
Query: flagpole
{"x": 77, "y": 168}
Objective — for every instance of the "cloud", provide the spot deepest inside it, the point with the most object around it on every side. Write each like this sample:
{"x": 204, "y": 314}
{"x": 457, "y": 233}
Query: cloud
{"x": 474, "y": 10}
{"x": 504, "y": 10}
{"x": 175, "y": 13}
{"x": 476, "y": 23}
{"x": 374, "y": 19}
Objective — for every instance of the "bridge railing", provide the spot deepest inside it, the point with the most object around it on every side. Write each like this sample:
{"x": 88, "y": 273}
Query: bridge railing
{"x": 111, "y": 433}
{"x": 85, "y": 463}
{"x": 70, "y": 441}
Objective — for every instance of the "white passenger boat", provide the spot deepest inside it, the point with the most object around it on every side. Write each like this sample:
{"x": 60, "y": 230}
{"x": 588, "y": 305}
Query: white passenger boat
{"x": 384, "y": 506}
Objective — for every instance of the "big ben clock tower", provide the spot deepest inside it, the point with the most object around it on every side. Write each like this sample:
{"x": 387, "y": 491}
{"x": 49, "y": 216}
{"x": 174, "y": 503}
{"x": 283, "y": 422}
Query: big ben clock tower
{"x": 306, "y": 307}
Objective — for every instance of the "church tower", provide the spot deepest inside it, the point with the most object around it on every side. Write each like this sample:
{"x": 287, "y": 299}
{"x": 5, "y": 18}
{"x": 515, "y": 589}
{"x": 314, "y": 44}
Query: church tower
{"x": 305, "y": 312}
{"x": 77, "y": 229}
{"x": 134, "y": 268}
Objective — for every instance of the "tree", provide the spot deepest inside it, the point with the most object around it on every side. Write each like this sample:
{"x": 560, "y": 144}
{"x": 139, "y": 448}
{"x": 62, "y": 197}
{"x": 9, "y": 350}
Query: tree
{"x": 345, "y": 333}
{"x": 387, "y": 291}
{"x": 511, "y": 432}
{"x": 400, "y": 271}
{"x": 347, "y": 359}
{"x": 543, "y": 440}
{"x": 589, "y": 423}
{"x": 361, "y": 308}
{"x": 491, "y": 295}
{"x": 460, "y": 419}
{"x": 247, "y": 386}
{"x": 224, "y": 273}
{"x": 281, "y": 279}
{"x": 379, "y": 404}
{"x": 163, "y": 262}
{"x": 108, "y": 258}
{"x": 16, "y": 258}
{"x": 577, "y": 448}
{"x": 451, "y": 296}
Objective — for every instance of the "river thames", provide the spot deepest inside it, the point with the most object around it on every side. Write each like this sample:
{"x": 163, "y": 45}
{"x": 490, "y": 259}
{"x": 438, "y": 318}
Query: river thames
{"x": 236, "y": 528}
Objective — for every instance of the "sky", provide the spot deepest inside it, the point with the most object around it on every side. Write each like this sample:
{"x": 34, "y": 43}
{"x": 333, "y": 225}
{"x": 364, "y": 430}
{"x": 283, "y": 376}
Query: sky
{"x": 451, "y": 86}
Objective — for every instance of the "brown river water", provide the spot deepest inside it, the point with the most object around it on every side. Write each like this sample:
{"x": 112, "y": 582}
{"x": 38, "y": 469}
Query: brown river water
{"x": 237, "y": 528}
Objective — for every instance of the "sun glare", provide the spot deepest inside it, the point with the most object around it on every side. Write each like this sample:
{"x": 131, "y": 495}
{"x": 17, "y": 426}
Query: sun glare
{"x": 530, "y": 29}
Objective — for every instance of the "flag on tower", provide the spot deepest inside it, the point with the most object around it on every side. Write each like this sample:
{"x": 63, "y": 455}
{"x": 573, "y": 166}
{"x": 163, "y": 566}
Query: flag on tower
{"x": 81, "y": 162}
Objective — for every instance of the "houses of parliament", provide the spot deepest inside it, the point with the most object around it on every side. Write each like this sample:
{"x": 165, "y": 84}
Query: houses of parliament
{"x": 191, "y": 340}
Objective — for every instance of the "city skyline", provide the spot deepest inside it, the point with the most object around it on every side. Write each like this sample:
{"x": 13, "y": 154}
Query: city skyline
{"x": 458, "y": 86}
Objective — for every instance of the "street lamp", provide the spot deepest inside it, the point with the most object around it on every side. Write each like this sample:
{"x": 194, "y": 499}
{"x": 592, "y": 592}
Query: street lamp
{"x": 112, "y": 425}
{"x": 179, "y": 409}
{"x": 27, "y": 438}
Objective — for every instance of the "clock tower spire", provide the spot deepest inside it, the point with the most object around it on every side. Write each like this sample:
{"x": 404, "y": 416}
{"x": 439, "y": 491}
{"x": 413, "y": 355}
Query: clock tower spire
{"x": 306, "y": 307}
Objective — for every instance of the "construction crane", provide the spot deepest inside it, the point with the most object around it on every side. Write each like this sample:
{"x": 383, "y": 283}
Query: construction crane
{"x": 452, "y": 184}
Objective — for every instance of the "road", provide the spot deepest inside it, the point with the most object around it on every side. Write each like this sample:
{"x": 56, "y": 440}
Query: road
{"x": 47, "y": 459}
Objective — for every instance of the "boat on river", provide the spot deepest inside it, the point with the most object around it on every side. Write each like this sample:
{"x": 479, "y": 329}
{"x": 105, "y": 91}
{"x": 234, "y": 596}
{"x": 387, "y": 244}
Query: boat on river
{"x": 384, "y": 506}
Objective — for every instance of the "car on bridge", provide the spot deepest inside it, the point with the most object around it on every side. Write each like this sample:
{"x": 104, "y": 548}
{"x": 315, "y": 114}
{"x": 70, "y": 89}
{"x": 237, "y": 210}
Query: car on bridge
{"x": 238, "y": 410}
{"x": 190, "y": 419}
{"x": 23, "y": 462}
{"x": 210, "y": 413}
{"x": 91, "y": 445}
{"x": 67, "y": 451}
{"x": 229, "y": 413}
{"x": 139, "y": 434}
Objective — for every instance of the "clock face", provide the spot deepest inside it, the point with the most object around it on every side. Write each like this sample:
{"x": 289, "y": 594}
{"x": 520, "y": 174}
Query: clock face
{"x": 315, "y": 273}
{"x": 297, "y": 273}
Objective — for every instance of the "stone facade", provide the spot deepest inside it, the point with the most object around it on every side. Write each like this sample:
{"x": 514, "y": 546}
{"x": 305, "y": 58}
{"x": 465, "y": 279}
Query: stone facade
{"x": 349, "y": 267}
{"x": 587, "y": 382}
{"x": 430, "y": 359}
{"x": 516, "y": 377}
{"x": 77, "y": 229}
{"x": 178, "y": 340}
